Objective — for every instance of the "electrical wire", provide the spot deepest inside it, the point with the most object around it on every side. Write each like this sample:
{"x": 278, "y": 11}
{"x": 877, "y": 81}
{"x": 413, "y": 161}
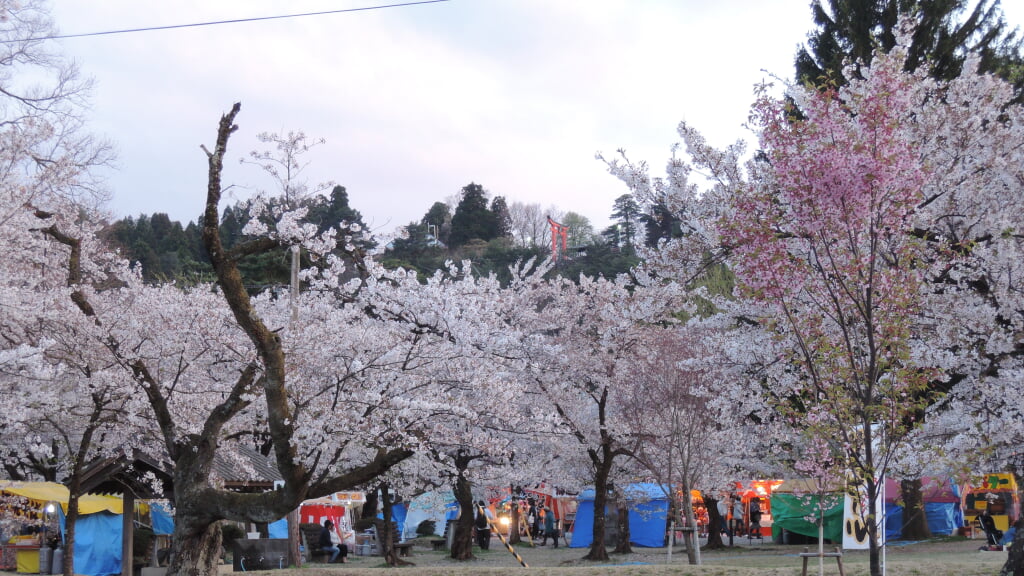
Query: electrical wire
{"x": 235, "y": 21}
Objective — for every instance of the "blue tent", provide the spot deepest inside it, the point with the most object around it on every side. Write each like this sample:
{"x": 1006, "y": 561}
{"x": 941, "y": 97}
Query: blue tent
{"x": 894, "y": 521}
{"x": 97, "y": 543}
{"x": 941, "y": 498}
{"x": 398, "y": 514}
{"x": 648, "y": 516}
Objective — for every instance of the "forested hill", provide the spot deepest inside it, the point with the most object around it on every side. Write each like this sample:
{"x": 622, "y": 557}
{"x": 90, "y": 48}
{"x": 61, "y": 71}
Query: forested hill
{"x": 489, "y": 231}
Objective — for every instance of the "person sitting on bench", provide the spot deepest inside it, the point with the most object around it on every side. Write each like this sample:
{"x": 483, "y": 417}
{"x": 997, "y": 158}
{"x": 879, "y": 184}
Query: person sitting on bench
{"x": 331, "y": 542}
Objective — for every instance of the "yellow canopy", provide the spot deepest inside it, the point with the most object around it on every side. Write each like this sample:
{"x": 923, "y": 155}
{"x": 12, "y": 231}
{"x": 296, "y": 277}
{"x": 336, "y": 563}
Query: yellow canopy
{"x": 52, "y": 492}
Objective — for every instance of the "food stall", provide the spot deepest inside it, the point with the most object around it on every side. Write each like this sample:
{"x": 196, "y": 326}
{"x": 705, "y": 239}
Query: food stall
{"x": 996, "y": 493}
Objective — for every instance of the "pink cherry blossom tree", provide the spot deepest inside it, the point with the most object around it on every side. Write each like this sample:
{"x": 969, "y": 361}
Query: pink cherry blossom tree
{"x": 837, "y": 232}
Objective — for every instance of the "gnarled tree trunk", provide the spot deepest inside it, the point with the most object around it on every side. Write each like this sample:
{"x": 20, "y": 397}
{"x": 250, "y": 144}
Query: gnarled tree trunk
{"x": 387, "y": 530}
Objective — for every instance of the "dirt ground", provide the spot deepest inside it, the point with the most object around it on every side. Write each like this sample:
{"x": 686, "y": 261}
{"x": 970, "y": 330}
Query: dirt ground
{"x": 941, "y": 557}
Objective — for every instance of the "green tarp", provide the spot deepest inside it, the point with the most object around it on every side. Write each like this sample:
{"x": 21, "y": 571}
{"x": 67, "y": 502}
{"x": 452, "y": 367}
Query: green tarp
{"x": 790, "y": 512}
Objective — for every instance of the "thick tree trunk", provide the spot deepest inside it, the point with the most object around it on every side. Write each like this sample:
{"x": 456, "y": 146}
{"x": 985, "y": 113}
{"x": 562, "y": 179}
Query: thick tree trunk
{"x": 294, "y": 539}
{"x": 715, "y": 525}
{"x": 915, "y": 521}
{"x": 68, "y": 567}
{"x": 462, "y": 544}
{"x": 622, "y": 545}
{"x": 196, "y": 547}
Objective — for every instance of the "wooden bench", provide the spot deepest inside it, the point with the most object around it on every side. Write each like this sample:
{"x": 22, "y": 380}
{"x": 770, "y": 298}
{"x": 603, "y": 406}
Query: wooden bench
{"x": 310, "y": 543}
{"x": 838, "y": 555}
{"x": 404, "y": 548}
{"x": 438, "y": 544}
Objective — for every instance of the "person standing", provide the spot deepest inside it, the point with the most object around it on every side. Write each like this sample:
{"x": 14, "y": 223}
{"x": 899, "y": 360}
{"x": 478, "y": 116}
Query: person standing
{"x": 737, "y": 515}
{"x": 483, "y": 528}
{"x": 725, "y": 511}
{"x": 532, "y": 519}
{"x": 549, "y": 526}
{"x": 755, "y": 517}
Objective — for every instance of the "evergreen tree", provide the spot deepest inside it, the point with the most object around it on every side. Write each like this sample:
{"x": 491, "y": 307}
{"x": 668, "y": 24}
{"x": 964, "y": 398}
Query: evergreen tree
{"x": 502, "y": 217}
{"x": 626, "y": 215}
{"x": 660, "y": 224}
{"x": 335, "y": 211}
{"x": 472, "y": 219}
{"x": 438, "y": 221}
{"x": 947, "y": 30}
{"x": 599, "y": 259}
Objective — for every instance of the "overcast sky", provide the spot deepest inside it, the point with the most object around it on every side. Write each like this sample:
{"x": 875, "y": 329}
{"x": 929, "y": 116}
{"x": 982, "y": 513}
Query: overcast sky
{"x": 416, "y": 102}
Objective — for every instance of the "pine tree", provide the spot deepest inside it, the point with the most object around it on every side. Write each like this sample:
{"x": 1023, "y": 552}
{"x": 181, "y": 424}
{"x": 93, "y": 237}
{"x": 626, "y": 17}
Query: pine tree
{"x": 438, "y": 221}
{"x": 626, "y": 215}
{"x": 502, "y": 218}
{"x": 947, "y": 30}
{"x": 472, "y": 219}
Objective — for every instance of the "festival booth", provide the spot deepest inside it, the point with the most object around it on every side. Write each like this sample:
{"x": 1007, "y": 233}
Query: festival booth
{"x": 98, "y": 531}
{"x": 793, "y": 501}
{"x": 648, "y": 516}
{"x": 759, "y": 492}
{"x": 942, "y": 501}
{"x": 334, "y": 508}
{"x": 436, "y": 505}
{"x": 998, "y": 494}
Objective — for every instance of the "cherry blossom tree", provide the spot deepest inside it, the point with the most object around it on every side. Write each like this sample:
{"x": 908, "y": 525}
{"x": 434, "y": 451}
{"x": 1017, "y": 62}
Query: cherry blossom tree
{"x": 866, "y": 239}
{"x": 215, "y": 376}
{"x": 681, "y": 413}
{"x": 581, "y": 342}
{"x": 60, "y": 397}
{"x": 826, "y": 243}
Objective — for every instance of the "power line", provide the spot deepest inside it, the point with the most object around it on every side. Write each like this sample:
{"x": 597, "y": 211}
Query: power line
{"x": 235, "y": 21}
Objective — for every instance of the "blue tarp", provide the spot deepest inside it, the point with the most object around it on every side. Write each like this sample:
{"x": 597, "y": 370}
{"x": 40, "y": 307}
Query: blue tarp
{"x": 278, "y": 529}
{"x": 583, "y": 526}
{"x": 648, "y": 513}
{"x": 943, "y": 519}
{"x": 893, "y": 521}
{"x": 398, "y": 514}
{"x": 163, "y": 522}
{"x": 97, "y": 543}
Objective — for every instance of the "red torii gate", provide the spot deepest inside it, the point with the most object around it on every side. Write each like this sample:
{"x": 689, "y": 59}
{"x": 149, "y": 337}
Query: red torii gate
{"x": 558, "y": 231}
